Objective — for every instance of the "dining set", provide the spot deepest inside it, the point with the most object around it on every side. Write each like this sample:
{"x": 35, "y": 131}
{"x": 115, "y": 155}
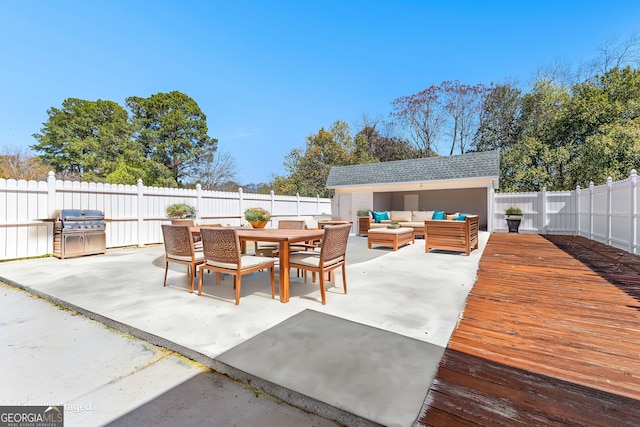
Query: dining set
{"x": 223, "y": 250}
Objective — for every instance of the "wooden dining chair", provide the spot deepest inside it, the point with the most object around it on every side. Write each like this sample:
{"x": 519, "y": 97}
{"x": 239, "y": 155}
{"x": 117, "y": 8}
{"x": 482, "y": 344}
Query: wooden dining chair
{"x": 331, "y": 256}
{"x": 222, "y": 254}
{"x": 273, "y": 247}
{"x": 180, "y": 249}
{"x": 189, "y": 223}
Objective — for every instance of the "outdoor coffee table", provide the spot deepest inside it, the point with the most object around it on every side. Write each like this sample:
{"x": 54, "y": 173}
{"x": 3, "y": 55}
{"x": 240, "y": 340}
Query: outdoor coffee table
{"x": 392, "y": 237}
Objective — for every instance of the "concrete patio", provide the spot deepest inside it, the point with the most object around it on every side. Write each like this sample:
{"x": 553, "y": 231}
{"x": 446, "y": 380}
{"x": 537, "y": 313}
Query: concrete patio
{"x": 364, "y": 358}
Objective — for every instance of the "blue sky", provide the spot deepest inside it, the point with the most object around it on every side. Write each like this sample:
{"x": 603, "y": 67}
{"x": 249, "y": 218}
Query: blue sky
{"x": 269, "y": 74}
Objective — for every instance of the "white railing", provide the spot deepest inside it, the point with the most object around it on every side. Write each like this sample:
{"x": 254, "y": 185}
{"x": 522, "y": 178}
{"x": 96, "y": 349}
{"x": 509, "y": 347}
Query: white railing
{"x": 607, "y": 213}
{"x": 133, "y": 213}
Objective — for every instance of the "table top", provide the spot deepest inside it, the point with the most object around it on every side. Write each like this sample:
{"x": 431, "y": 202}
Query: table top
{"x": 279, "y": 234}
{"x": 270, "y": 234}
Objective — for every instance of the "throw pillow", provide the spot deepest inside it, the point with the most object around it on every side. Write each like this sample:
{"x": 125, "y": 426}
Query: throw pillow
{"x": 379, "y": 216}
{"x": 460, "y": 217}
{"x": 439, "y": 215}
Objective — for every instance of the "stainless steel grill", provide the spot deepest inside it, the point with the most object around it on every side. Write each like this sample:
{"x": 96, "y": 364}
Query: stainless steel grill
{"x": 79, "y": 232}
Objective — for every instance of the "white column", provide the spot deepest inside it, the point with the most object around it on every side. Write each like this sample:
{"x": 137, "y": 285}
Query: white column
{"x": 591, "y": 210}
{"x": 491, "y": 208}
{"x": 198, "y": 202}
{"x": 273, "y": 202}
{"x": 51, "y": 195}
{"x": 577, "y": 199}
{"x": 142, "y": 208}
{"x": 543, "y": 213}
{"x": 633, "y": 225}
{"x": 609, "y": 184}
{"x": 241, "y": 204}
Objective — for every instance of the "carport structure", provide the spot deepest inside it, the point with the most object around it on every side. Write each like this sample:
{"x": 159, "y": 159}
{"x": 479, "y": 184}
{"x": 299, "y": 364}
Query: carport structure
{"x": 462, "y": 183}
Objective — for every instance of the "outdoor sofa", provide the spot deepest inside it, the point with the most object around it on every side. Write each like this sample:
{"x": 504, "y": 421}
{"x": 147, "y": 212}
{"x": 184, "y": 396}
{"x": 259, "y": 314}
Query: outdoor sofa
{"x": 413, "y": 219}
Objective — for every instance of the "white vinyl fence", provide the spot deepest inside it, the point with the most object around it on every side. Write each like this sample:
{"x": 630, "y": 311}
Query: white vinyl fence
{"x": 133, "y": 213}
{"x": 608, "y": 213}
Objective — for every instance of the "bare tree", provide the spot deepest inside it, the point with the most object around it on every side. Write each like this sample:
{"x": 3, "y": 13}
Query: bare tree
{"x": 19, "y": 163}
{"x": 619, "y": 54}
{"x": 419, "y": 118}
{"x": 463, "y": 103}
{"x": 214, "y": 170}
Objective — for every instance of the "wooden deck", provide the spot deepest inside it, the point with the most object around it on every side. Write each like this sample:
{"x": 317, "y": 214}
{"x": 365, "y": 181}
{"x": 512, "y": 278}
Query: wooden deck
{"x": 550, "y": 335}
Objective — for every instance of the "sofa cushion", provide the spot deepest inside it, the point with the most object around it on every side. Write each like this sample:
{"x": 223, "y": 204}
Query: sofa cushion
{"x": 413, "y": 224}
{"x": 385, "y": 230}
{"x": 439, "y": 215}
{"x": 379, "y": 224}
{"x": 379, "y": 216}
{"x": 421, "y": 215}
{"x": 460, "y": 217}
{"x": 400, "y": 216}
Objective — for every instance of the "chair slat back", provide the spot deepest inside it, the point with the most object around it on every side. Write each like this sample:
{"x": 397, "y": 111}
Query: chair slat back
{"x": 292, "y": 224}
{"x": 221, "y": 245}
{"x": 187, "y": 222}
{"x": 177, "y": 240}
{"x": 334, "y": 242}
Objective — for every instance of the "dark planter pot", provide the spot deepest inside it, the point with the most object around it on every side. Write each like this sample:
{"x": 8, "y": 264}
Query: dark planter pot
{"x": 513, "y": 222}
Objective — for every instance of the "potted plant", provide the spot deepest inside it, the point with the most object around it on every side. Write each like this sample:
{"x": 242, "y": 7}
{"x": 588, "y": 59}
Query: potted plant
{"x": 394, "y": 225}
{"x": 363, "y": 221}
{"x": 257, "y": 217}
{"x": 181, "y": 210}
{"x": 513, "y": 216}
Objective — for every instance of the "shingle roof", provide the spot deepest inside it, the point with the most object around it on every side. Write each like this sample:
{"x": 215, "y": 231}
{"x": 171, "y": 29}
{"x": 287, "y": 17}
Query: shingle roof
{"x": 484, "y": 164}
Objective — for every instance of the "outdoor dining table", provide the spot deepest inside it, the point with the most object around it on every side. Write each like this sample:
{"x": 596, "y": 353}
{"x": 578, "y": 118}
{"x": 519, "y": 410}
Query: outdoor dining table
{"x": 285, "y": 237}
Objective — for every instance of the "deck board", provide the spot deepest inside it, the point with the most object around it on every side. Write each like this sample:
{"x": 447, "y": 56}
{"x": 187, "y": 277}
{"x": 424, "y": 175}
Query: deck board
{"x": 550, "y": 335}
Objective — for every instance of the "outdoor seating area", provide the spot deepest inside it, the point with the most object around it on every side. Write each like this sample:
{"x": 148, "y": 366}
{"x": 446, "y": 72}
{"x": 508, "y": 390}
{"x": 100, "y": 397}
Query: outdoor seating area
{"x": 223, "y": 250}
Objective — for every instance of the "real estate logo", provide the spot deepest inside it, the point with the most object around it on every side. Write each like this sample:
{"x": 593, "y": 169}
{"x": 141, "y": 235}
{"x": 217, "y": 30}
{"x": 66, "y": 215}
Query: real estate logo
{"x": 32, "y": 416}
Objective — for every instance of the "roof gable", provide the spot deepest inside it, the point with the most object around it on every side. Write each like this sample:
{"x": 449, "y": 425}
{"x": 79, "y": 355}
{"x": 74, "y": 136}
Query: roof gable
{"x": 485, "y": 164}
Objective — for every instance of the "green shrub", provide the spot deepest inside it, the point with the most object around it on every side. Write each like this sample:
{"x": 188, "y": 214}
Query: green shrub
{"x": 513, "y": 211}
{"x": 181, "y": 210}
{"x": 256, "y": 214}
{"x": 362, "y": 212}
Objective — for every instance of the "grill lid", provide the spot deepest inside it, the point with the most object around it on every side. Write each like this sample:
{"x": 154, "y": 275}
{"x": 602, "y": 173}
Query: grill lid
{"x": 70, "y": 215}
{"x": 81, "y": 215}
